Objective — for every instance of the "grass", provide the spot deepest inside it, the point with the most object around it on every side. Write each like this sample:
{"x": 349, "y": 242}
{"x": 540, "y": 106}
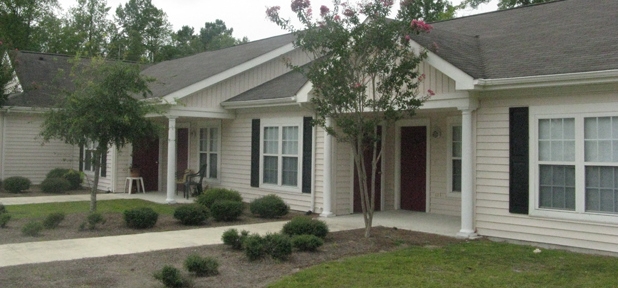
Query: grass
{"x": 33, "y": 211}
{"x": 472, "y": 264}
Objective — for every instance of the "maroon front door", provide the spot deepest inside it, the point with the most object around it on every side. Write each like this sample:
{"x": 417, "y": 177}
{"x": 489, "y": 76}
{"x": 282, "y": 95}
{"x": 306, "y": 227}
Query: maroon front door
{"x": 413, "y": 168}
{"x": 368, "y": 156}
{"x": 182, "y": 149}
{"x": 146, "y": 158}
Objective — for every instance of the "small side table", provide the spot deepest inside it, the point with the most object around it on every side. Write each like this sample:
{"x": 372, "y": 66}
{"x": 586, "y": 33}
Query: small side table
{"x": 129, "y": 182}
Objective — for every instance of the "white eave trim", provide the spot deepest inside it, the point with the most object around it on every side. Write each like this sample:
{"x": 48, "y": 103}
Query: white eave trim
{"x": 192, "y": 112}
{"x": 19, "y": 109}
{"x": 462, "y": 80}
{"x": 179, "y": 94}
{"x": 286, "y": 101}
{"x": 593, "y": 77}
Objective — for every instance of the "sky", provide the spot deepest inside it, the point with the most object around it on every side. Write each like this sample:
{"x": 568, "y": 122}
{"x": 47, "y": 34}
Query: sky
{"x": 246, "y": 17}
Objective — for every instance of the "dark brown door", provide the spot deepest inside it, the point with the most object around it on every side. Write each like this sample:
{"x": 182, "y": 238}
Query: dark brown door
{"x": 368, "y": 156}
{"x": 182, "y": 149}
{"x": 413, "y": 168}
{"x": 146, "y": 158}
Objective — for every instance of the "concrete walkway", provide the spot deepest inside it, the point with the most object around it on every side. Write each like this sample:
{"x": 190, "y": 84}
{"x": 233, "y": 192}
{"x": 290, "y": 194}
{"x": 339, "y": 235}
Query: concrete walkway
{"x": 48, "y": 251}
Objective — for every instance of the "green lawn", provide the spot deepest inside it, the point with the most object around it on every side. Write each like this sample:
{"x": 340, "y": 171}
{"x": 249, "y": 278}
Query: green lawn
{"x": 472, "y": 264}
{"x": 42, "y": 210}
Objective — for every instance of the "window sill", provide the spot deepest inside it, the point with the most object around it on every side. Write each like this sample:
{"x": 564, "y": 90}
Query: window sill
{"x": 575, "y": 217}
{"x": 291, "y": 190}
{"x": 453, "y": 195}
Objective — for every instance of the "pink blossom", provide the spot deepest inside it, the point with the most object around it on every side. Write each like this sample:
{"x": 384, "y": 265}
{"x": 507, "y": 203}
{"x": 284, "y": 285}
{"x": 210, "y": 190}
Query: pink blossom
{"x": 298, "y": 5}
{"x": 421, "y": 78}
{"x": 431, "y": 93}
{"x": 273, "y": 12}
{"x": 337, "y": 18}
{"x": 324, "y": 10}
{"x": 348, "y": 12}
{"x": 407, "y": 38}
{"x": 387, "y": 3}
{"x": 434, "y": 47}
{"x": 420, "y": 25}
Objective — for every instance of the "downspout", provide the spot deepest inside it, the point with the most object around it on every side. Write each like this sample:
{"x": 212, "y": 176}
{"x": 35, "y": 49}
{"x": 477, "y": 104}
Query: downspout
{"x": 2, "y": 139}
{"x": 313, "y": 151}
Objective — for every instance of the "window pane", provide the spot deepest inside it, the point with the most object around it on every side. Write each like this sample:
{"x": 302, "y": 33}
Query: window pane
{"x": 557, "y": 152}
{"x": 456, "y": 133}
{"x": 544, "y": 129}
{"x": 214, "y": 139}
{"x": 203, "y": 139}
{"x": 600, "y": 143}
{"x": 556, "y": 129}
{"x": 604, "y": 128}
{"x": 88, "y": 160}
{"x": 544, "y": 150}
{"x": 203, "y": 159}
{"x": 569, "y": 151}
{"x": 555, "y": 191}
{"x": 456, "y": 176}
{"x": 270, "y": 169}
{"x": 601, "y": 191}
{"x": 590, "y": 128}
{"x": 290, "y": 140}
{"x": 271, "y": 139}
{"x": 212, "y": 166}
{"x": 569, "y": 129}
{"x": 591, "y": 151}
{"x": 290, "y": 171}
{"x": 561, "y": 147}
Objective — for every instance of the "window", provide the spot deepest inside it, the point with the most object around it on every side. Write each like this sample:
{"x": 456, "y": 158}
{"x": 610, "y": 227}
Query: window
{"x": 576, "y": 166}
{"x": 280, "y": 153}
{"x": 88, "y": 157}
{"x": 454, "y": 156}
{"x": 209, "y": 151}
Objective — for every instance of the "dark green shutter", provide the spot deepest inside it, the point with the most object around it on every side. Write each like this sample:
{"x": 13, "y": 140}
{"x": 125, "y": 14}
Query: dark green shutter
{"x": 307, "y": 149}
{"x": 104, "y": 164}
{"x": 255, "y": 153}
{"x": 518, "y": 165}
{"x": 81, "y": 158}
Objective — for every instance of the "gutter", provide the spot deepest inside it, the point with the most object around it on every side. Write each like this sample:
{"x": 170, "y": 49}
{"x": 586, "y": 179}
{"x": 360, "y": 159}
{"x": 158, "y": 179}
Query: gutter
{"x": 593, "y": 77}
{"x": 286, "y": 101}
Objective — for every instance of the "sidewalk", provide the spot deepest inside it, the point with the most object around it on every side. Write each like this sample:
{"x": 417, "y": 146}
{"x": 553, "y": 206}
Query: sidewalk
{"x": 59, "y": 250}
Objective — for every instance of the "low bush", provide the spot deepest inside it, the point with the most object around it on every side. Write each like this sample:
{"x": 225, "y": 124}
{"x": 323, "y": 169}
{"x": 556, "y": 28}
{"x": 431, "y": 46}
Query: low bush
{"x": 55, "y": 185}
{"x": 32, "y": 228}
{"x": 16, "y": 184}
{"x": 278, "y": 246}
{"x": 91, "y": 221}
{"x": 171, "y": 277}
{"x": 305, "y": 226}
{"x": 53, "y": 220}
{"x": 254, "y": 247}
{"x": 141, "y": 218}
{"x": 269, "y": 206}
{"x": 201, "y": 267}
{"x": 226, "y": 210}
{"x": 4, "y": 219}
{"x": 307, "y": 243}
{"x": 213, "y": 194}
{"x": 74, "y": 177}
{"x": 3, "y": 209}
{"x": 192, "y": 214}
{"x": 232, "y": 238}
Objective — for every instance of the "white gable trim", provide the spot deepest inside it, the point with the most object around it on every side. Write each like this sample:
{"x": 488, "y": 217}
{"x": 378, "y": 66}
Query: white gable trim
{"x": 463, "y": 81}
{"x": 179, "y": 94}
{"x": 196, "y": 113}
{"x": 302, "y": 96}
{"x": 593, "y": 77}
{"x": 14, "y": 86}
{"x": 286, "y": 101}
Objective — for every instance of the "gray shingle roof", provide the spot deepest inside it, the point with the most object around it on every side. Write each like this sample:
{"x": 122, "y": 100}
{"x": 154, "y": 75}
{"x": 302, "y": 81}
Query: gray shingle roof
{"x": 559, "y": 37}
{"x": 286, "y": 85}
{"x": 176, "y": 74}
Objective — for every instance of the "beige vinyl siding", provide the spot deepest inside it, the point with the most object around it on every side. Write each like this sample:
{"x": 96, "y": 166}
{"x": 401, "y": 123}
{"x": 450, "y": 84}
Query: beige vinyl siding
{"x": 344, "y": 177}
{"x": 492, "y": 172}
{"x": 212, "y": 96}
{"x": 434, "y": 80}
{"x": 24, "y": 153}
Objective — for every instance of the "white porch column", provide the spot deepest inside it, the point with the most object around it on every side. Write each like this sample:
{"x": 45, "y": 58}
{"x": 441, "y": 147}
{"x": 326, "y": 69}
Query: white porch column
{"x": 328, "y": 159}
{"x": 467, "y": 197}
{"x": 171, "y": 160}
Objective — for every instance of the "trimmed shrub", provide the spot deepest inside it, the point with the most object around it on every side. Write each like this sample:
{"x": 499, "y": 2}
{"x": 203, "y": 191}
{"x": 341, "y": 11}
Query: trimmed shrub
{"x": 16, "y": 184}
{"x": 57, "y": 173}
{"x": 53, "y": 220}
{"x": 269, "y": 206}
{"x": 254, "y": 247}
{"x": 3, "y": 209}
{"x": 4, "y": 219}
{"x": 307, "y": 243}
{"x": 226, "y": 210}
{"x": 170, "y": 277}
{"x": 231, "y": 238}
{"x": 205, "y": 266}
{"x": 55, "y": 185}
{"x": 141, "y": 218}
{"x": 213, "y": 194}
{"x": 192, "y": 214}
{"x": 32, "y": 228}
{"x": 305, "y": 226}
{"x": 74, "y": 177}
{"x": 278, "y": 246}
{"x": 91, "y": 221}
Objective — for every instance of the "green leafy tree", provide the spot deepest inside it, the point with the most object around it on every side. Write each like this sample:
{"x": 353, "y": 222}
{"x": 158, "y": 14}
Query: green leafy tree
{"x": 427, "y": 10}
{"x": 20, "y": 21}
{"x": 88, "y": 27}
{"x": 144, "y": 30}
{"x": 216, "y": 35}
{"x": 363, "y": 73}
{"x": 104, "y": 108}
{"x": 505, "y": 4}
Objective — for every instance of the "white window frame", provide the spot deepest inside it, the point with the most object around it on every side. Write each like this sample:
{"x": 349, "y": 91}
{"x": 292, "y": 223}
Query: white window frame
{"x": 452, "y": 121}
{"x": 90, "y": 147}
{"x": 208, "y": 128}
{"x": 579, "y": 112}
{"x": 282, "y": 122}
